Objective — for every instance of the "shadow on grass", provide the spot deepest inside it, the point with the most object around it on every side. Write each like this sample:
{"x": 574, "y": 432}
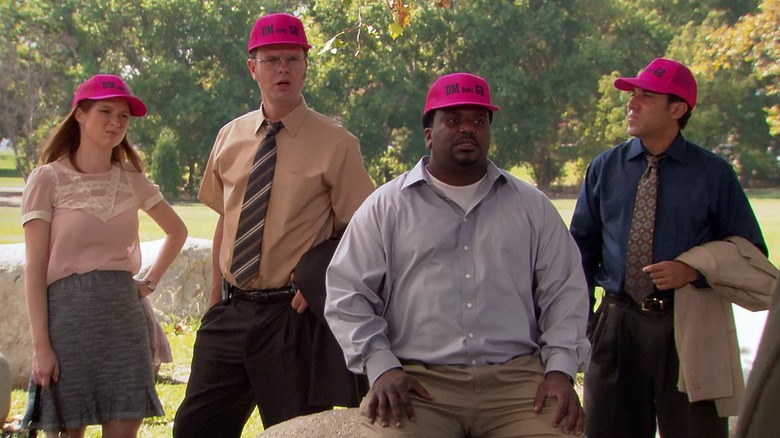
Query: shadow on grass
{"x": 168, "y": 380}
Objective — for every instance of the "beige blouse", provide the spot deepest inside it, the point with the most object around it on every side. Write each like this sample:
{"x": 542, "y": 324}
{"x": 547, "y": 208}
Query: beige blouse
{"x": 93, "y": 217}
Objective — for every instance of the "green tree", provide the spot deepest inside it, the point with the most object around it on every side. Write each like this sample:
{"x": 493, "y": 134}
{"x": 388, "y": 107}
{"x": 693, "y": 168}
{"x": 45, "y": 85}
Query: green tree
{"x": 185, "y": 58}
{"x": 604, "y": 126}
{"x": 728, "y": 116}
{"x": 733, "y": 116}
{"x": 541, "y": 59}
{"x": 32, "y": 83}
{"x": 194, "y": 75}
{"x": 164, "y": 167}
{"x": 374, "y": 85}
{"x": 548, "y": 63}
{"x": 754, "y": 41}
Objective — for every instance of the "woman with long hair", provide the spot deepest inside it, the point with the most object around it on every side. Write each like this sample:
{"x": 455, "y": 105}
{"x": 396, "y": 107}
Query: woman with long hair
{"x": 91, "y": 351}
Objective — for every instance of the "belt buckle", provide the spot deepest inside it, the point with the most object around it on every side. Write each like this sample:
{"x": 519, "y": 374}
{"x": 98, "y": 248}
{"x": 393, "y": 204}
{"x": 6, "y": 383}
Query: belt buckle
{"x": 258, "y": 297}
{"x": 653, "y": 305}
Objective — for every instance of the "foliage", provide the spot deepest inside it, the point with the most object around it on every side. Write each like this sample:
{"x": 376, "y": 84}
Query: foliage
{"x": 736, "y": 96}
{"x": 383, "y": 90}
{"x": 754, "y": 42}
{"x": 604, "y": 126}
{"x": 378, "y": 94}
{"x": 549, "y": 64}
{"x": 164, "y": 168}
{"x": 32, "y": 80}
{"x": 387, "y": 166}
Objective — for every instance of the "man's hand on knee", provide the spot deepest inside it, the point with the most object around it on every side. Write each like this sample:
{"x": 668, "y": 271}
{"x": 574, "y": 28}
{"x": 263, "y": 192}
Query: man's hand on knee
{"x": 391, "y": 390}
{"x": 557, "y": 385}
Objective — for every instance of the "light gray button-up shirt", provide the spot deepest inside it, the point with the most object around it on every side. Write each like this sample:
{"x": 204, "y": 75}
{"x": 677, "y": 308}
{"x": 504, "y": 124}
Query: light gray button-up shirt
{"x": 417, "y": 278}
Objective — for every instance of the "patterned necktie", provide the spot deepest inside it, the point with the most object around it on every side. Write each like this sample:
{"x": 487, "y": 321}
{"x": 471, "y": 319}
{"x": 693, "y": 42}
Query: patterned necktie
{"x": 249, "y": 236}
{"x": 640, "y": 241}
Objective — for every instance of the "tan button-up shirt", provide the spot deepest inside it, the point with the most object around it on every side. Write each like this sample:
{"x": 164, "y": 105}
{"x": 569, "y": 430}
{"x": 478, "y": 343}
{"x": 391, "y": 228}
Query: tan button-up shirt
{"x": 319, "y": 182}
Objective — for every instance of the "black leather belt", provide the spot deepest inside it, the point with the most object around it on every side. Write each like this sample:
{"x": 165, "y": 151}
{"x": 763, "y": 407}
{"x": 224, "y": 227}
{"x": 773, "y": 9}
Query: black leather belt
{"x": 647, "y": 305}
{"x": 261, "y": 296}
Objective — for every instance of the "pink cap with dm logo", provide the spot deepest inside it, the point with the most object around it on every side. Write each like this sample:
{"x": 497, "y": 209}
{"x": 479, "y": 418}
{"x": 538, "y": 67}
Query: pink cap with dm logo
{"x": 458, "y": 89}
{"x": 103, "y": 86}
{"x": 664, "y": 76}
{"x": 277, "y": 29}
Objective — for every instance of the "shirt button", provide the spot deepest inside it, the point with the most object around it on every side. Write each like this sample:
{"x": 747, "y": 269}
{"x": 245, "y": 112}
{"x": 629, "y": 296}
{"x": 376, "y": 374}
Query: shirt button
{"x": 468, "y": 275}
{"x": 468, "y": 305}
{"x": 473, "y": 362}
{"x": 466, "y": 248}
{"x": 471, "y": 335}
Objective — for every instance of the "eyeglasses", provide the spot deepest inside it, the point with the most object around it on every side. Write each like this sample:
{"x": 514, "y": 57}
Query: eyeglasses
{"x": 274, "y": 62}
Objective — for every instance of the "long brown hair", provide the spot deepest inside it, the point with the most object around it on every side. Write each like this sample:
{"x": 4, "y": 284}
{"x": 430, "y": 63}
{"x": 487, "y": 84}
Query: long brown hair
{"x": 66, "y": 137}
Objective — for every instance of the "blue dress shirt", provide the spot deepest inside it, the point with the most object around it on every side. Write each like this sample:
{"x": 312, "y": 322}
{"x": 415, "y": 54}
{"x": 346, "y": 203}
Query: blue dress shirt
{"x": 699, "y": 200}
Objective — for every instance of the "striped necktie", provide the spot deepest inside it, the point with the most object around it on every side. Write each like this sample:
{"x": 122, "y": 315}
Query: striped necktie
{"x": 639, "y": 253}
{"x": 249, "y": 236}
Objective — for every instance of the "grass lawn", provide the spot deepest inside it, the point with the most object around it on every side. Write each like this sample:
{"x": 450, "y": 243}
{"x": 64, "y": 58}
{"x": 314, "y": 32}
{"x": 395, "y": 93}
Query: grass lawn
{"x": 9, "y": 177}
{"x": 200, "y": 222}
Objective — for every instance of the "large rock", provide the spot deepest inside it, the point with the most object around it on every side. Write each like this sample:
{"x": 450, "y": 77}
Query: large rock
{"x": 182, "y": 292}
{"x": 338, "y": 423}
{"x": 5, "y": 389}
{"x": 184, "y": 289}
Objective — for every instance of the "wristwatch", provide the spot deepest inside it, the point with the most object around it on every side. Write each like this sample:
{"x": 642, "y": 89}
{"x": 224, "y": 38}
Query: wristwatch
{"x": 152, "y": 286}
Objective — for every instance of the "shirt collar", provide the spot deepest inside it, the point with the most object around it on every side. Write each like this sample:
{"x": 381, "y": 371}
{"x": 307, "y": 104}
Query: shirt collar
{"x": 419, "y": 174}
{"x": 292, "y": 121}
{"x": 677, "y": 150}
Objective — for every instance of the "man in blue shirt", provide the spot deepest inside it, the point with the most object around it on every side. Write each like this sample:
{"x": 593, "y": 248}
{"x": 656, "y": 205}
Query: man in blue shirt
{"x": 631, "y": 383}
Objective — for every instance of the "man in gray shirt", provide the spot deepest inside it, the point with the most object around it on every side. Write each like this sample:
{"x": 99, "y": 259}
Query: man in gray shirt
{"x": 458, "y": 290}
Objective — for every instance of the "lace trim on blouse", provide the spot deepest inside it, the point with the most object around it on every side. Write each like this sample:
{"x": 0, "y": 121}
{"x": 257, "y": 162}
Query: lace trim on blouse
{"x": 102, "y": 195}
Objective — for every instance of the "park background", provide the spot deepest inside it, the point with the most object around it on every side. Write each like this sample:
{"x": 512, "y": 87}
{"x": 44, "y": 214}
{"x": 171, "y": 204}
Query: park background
{"x": 550, "y": 65}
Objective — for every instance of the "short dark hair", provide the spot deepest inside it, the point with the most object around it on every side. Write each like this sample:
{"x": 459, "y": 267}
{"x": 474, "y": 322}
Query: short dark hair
{"x": 427, "y": 118}
{"x": 682, "y": 121}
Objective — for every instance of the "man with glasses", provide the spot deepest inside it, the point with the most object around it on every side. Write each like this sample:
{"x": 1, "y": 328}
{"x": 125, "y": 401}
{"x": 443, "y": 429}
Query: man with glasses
{"x": 283, "y": 178}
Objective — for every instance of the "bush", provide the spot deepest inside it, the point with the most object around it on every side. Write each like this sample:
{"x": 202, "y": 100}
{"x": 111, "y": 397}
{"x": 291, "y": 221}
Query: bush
{"x": 164, "y": 168}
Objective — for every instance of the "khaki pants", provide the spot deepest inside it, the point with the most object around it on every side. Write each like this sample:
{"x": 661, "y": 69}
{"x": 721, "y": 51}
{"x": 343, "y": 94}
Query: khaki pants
{"x": 486, "y": 401}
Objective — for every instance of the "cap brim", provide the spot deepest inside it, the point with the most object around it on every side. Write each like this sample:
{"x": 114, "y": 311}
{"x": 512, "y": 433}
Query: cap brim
{"x": 628, "y": 84}
{"x": 306, "y": 46}
{"x": 137, "y": 106}
{"x": 492, "y": 108}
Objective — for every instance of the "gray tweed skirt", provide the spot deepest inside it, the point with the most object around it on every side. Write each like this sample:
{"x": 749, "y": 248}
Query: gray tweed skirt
{"x": 99, "y": 333}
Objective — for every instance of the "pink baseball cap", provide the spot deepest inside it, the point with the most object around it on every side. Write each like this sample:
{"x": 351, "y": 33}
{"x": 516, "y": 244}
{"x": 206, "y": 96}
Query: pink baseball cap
{"x": 277, "y": 29}
{"x": 458, "y": 89}
{"x": 664, "y": 76}
{"x": 102, "y": 86}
